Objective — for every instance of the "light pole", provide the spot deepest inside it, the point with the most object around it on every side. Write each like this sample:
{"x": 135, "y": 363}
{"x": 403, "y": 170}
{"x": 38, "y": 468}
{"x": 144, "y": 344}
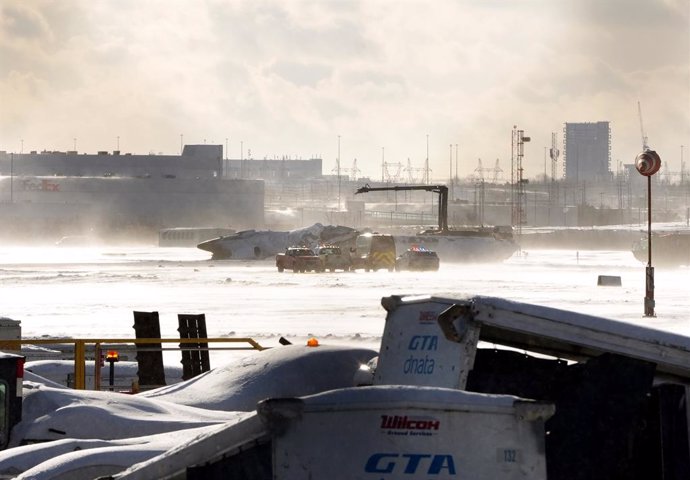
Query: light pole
{"x": 12, "y": 177}
{"x": 450, "y": 172}
{"x": 648, "y": 163}
{"x": 682, "y": 167}
{"x": 426, "y": 163}
{"x": 383, "y": 164}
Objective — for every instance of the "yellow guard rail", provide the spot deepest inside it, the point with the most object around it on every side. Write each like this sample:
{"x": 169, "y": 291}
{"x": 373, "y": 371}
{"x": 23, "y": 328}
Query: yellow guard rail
{"x": 80, "y": 348}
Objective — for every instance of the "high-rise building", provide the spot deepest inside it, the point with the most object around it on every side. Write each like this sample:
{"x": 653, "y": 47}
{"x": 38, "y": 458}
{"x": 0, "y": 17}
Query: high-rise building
{"x": 587, "y": 151}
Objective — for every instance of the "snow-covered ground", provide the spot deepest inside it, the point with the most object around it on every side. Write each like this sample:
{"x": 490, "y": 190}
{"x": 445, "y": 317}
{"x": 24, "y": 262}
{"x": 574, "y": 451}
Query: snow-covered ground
{"x": 74, "y": 292}
{"x": 87, "y": 292}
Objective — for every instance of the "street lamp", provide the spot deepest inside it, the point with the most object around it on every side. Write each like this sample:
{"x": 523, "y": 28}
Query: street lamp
{"x": 648, "y": 163}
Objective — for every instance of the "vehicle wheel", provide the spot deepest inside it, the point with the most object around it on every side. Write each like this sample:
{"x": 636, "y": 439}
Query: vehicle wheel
{"x": 367, "y": 269}
{"x": 280, "y": 269}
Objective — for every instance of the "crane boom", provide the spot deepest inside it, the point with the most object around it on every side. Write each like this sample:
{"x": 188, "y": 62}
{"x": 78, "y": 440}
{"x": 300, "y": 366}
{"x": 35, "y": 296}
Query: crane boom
{"x": 644, "y": 137}
{"x": 442, "y": 191}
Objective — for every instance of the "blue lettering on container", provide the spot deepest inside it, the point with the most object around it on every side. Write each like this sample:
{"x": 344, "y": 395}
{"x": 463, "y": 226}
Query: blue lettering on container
{"x": 423, "y": 342}
{"x": 376, "y": 464}
{"x": 419, "y": 366}
{"x": 410, "y": 463}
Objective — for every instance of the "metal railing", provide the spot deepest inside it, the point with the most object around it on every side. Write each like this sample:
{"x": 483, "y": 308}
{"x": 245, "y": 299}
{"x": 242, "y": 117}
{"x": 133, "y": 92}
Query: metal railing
{"x": 81, "y": 343}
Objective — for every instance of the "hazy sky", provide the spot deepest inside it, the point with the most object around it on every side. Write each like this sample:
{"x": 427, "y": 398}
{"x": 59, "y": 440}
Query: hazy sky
{"x": 288, "y": 77}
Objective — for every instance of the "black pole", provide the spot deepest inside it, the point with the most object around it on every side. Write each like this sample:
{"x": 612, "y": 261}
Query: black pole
{"x": 649, "y": 297}
{"x": 112, "y": 374}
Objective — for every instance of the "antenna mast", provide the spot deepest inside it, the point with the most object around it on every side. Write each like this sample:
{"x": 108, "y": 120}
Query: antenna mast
{"x": 554, "y": 153}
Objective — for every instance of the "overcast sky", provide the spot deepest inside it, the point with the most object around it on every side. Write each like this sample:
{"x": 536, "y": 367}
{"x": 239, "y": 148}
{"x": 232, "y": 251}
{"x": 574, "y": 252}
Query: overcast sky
{"x": 292, "y": 77}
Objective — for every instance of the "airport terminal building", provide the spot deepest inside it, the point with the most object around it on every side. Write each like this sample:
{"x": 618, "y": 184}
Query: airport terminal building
{"x": 67, "y": 193}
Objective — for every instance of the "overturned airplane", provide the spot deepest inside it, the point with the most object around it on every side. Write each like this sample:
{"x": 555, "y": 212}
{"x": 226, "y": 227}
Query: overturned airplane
{"x": 258, "y": 245}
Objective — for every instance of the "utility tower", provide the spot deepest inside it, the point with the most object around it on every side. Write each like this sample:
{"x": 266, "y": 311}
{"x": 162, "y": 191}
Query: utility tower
{"x": 427, "y": 171}
{"x": 497, "y": 171}
{"x": 479, "y": 170}
{"x": 354, "y": 171}
{"x": 554, "y": 153}
{"x": 518, "y": 198}
{"x": 411, "y": 172}
{"x": 392, "y": 171}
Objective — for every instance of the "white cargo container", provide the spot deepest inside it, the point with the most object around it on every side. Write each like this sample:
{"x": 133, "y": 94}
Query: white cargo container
{"x": 369, "y": 433}
{"x": 415, "y": 350}
{"x": 407, "y": 432}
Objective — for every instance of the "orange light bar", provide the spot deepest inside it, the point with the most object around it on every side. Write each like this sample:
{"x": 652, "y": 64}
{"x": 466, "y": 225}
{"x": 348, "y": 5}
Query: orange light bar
{"x": 312, "y": 342}
{"x": 112, "y": 356}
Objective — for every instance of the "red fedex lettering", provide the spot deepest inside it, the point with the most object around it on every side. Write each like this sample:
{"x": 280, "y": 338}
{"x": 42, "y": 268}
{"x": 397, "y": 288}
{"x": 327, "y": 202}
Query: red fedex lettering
{"x": 50, "y": 186}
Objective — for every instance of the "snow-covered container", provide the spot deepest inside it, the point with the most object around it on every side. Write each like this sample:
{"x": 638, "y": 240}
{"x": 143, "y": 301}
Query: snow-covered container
{"x": 605, "y": 377}
{"x": 415, "y": 349}
{"x": 370, "y": 433}
{"x": 406, "y": 432}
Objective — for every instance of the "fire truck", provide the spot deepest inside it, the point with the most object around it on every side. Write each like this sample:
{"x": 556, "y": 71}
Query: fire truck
{"x": 374, "y": 251}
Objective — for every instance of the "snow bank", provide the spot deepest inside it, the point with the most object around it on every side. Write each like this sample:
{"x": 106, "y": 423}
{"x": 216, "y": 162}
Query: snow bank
{"x": 286, "y": 371}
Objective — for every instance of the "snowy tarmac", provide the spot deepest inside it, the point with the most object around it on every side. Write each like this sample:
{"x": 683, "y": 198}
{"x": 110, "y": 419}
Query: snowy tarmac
{"x": 92, "y": 292}
{"x": 89, "y": 293}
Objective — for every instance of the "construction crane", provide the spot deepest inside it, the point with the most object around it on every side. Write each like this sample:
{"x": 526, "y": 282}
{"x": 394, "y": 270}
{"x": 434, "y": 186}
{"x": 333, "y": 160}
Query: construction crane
{"x": 644, "y": 137}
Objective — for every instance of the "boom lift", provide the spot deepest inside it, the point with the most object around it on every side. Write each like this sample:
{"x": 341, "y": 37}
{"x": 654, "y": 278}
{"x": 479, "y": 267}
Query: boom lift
{"x": 442, "y": 191}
